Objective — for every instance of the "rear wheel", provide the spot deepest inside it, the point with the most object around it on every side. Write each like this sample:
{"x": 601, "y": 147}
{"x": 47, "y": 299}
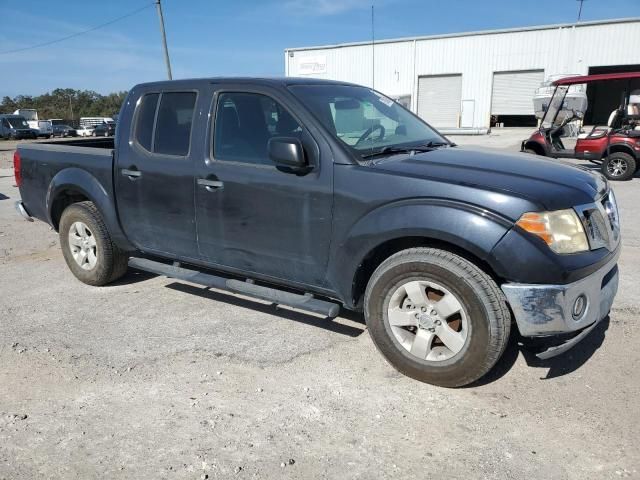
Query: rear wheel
{"x": 436, "y": 317}
{"x": 619, "y": 166}
{"x": 87, "y": 247}
{"x": 530, "y": 151}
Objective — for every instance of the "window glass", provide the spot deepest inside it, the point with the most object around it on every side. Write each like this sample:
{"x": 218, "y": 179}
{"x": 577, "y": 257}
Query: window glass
{"x": 173, "y": 127}
{"x": 363, "y": 119}
{"x": 144, "y": 122}
{"x": 244, "y": 124}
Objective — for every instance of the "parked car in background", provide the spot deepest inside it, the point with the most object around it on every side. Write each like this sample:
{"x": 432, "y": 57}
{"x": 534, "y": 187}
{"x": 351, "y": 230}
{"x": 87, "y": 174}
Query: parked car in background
{"x": 105, "y": 129}
{"x": 15, "y": 127}
{"x": 95, "y": 121}
{"x": 84, "y": 131}
{"x": 45, "y": 129}
{"x": 64, "y": 131}
{"x": 30, "y": 115}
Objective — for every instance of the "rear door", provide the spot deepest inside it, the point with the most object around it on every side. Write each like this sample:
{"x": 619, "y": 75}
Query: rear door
{"x": 154, "y": 173}
{"x": 252, "y": 217}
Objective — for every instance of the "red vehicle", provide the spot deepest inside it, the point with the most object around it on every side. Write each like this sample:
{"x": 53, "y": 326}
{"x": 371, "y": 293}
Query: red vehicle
{"x": 616, "y": 146}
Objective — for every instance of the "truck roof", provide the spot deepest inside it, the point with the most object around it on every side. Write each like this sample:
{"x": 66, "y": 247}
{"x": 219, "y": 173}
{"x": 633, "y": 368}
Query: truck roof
{"x": 264, "y": 81}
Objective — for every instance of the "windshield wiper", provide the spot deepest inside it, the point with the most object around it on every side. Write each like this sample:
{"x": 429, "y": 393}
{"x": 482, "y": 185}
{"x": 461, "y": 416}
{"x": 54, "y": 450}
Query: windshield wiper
{"x": 433, "y": 144}
{"x": 392, "y": 150}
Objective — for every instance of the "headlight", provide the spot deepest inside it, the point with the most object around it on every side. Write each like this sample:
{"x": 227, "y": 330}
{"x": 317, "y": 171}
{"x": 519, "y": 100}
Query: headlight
{"x": 561, "y": 230}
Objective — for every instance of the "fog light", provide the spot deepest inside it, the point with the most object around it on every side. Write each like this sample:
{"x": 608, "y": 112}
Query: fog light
{"x": 579, "y": 306}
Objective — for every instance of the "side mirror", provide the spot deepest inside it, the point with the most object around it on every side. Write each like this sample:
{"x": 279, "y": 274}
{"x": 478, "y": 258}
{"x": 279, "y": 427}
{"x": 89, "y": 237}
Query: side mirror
{"x": 288, "y": 155}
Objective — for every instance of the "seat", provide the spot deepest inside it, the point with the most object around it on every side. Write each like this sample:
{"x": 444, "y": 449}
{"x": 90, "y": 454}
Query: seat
{"x": 287, "y": 125}
{"x": 597, "y": 132}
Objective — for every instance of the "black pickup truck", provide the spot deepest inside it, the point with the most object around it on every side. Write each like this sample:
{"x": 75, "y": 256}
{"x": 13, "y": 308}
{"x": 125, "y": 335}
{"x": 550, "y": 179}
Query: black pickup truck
{"x": 317, "y": 194}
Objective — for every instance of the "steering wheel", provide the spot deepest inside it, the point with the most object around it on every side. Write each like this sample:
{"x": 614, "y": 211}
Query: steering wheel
{"x": 368, "y": 133}
{"x": 563, "y": 124}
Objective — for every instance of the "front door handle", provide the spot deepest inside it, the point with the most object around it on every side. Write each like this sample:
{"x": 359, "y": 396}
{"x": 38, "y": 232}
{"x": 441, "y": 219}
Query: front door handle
{"x": 210, "y": 185}
{"x": 132, "y": 174}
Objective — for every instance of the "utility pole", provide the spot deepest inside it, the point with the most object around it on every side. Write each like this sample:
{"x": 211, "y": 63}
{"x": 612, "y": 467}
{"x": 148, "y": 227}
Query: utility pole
{"x": 580, "y": 9}
{"x": 164, "y": 39}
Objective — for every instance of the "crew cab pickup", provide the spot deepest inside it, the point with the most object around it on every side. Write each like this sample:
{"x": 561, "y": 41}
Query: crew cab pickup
{"x": 320, "y": 195}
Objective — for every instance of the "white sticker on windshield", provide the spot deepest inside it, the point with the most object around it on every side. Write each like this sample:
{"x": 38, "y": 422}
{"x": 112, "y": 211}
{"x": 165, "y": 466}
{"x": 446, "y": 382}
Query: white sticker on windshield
{"x": 387, "y": 101}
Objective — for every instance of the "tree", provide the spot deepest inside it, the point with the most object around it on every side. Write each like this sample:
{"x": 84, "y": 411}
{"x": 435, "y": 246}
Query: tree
{"x": 67, "y": 103}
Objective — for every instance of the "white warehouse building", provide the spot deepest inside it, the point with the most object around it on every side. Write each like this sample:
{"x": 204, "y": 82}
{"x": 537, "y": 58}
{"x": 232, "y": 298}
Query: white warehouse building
{"x": 474, "y": 80}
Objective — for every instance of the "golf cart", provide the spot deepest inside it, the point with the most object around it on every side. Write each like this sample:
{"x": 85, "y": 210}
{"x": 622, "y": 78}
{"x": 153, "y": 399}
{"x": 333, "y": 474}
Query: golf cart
{"x": 616, "y": 146}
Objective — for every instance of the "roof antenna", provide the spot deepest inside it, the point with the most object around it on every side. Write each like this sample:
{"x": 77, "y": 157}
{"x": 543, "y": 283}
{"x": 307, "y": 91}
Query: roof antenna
{"x": 373, "y": 52}
{"x": 580, "y": 9}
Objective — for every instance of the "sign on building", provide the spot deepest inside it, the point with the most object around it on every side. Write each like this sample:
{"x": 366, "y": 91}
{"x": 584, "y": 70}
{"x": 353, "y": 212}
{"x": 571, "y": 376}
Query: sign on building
{"x": 312, "y": 65}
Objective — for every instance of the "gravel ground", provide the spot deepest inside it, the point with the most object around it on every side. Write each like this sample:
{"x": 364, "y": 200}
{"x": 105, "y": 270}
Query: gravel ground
{"x": 150, "y": 378}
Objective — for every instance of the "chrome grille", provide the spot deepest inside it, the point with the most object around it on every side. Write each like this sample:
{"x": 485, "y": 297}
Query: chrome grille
{"x": 601, "y": 222}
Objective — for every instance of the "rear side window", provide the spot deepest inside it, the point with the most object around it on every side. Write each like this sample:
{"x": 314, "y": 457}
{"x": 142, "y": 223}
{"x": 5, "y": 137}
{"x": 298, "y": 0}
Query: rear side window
{"x": 144, "y": 122}
{"x": 173, "y": 125}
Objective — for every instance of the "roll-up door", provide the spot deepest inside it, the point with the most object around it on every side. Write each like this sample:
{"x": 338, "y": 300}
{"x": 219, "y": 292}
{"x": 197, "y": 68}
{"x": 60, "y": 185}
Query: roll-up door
{"x": 513, "y": 92}
{"x": 439, "y": 99}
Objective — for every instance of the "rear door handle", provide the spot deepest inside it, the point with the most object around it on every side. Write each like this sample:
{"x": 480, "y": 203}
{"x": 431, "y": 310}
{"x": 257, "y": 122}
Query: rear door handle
{"x": 210, "y": 185}
{"x": 132, "y": 174}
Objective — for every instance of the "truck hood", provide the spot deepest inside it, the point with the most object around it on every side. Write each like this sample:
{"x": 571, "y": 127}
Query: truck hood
{"x": 550, "y": 183}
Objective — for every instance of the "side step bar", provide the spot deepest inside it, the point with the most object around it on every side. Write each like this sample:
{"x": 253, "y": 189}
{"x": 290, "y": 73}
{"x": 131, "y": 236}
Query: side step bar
{"x": 280, "y": 297}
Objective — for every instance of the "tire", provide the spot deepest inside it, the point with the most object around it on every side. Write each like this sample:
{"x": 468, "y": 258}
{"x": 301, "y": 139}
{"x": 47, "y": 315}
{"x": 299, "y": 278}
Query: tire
{"x": 530, "y": 151}
{"x": 110, "y": 261}
{"x": 483, "y": 322}
{"x": 619, "y": 166}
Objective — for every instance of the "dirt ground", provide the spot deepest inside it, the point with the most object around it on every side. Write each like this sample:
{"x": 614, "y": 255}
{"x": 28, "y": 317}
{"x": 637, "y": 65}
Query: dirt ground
{"x": 149, "y": 378}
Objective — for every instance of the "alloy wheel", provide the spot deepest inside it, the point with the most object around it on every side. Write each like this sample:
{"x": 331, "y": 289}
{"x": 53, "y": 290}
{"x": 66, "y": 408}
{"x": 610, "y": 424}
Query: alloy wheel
{"x": 428, "y": 320}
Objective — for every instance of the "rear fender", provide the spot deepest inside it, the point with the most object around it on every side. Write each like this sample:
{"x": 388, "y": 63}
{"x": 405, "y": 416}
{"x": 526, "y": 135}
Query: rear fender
{"x": 624, "y": 147}
{"x": 78, "y": 181}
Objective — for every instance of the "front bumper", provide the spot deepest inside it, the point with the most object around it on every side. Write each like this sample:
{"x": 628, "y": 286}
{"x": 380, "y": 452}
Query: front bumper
{"x": 545, "y": 310}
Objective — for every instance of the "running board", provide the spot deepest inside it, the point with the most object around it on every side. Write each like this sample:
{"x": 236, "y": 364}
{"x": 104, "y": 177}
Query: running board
{"x": 280, "y": 297}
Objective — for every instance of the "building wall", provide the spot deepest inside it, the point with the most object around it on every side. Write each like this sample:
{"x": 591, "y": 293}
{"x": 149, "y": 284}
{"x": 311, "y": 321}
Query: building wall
{"x": 399, "y": 63}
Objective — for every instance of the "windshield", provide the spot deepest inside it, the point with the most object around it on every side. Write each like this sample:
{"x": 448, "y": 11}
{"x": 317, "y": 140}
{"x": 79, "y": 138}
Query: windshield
{"x": 555, "y": 105}
{"x": 365, "y": 120}
{"x": 18, "y": 122}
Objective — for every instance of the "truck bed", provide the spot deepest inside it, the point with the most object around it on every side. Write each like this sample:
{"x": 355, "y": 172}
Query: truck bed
{"x": 51, "y": 166}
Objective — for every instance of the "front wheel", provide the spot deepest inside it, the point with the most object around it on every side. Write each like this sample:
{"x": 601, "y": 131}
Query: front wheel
{"x": 436, "y": 317}
{"x": 619, "y": 166}
{"x": 87, "y": 246}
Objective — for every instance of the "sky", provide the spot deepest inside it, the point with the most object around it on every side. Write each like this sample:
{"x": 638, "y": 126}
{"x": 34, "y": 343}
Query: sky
{"x": 226, "y": 37}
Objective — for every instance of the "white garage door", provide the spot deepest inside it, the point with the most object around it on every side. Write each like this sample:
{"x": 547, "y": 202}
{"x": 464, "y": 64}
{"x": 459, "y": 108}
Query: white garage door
{"x": 513, "y": 92}
{"x": 439, "y": 99}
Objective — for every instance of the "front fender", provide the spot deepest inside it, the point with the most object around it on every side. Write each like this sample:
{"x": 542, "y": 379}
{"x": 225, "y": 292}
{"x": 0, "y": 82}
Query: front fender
{"x": 80, "y": 181}
{"x": 468, "y": 227}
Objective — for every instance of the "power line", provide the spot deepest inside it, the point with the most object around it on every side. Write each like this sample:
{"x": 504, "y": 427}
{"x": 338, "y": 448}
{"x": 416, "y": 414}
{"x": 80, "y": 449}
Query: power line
{"x": 77, "y": 34}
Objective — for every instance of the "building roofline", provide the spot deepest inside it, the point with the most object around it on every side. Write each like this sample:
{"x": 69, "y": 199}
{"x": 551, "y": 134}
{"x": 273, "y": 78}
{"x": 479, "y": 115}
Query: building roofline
{"x": 468, "y": 34}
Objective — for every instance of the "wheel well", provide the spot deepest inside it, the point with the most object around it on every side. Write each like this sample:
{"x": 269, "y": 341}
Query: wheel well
{"x": 383, "y": 251}
{"x": 536, "y": 147}
{"x": 619, "y": 149}
{"x": 62, "y": 201}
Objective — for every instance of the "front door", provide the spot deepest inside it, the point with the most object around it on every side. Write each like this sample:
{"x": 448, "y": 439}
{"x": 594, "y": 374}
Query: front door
{"x": 252, "y": 217}
{"x": 154, "y": 175}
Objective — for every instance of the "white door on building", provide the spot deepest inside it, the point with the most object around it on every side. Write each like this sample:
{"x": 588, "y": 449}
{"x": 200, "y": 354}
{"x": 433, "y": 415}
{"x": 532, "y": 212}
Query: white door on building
{"x": 513, "y": 92}
{"x": 439, "y": 99}
{"x": 468, "y": 111}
